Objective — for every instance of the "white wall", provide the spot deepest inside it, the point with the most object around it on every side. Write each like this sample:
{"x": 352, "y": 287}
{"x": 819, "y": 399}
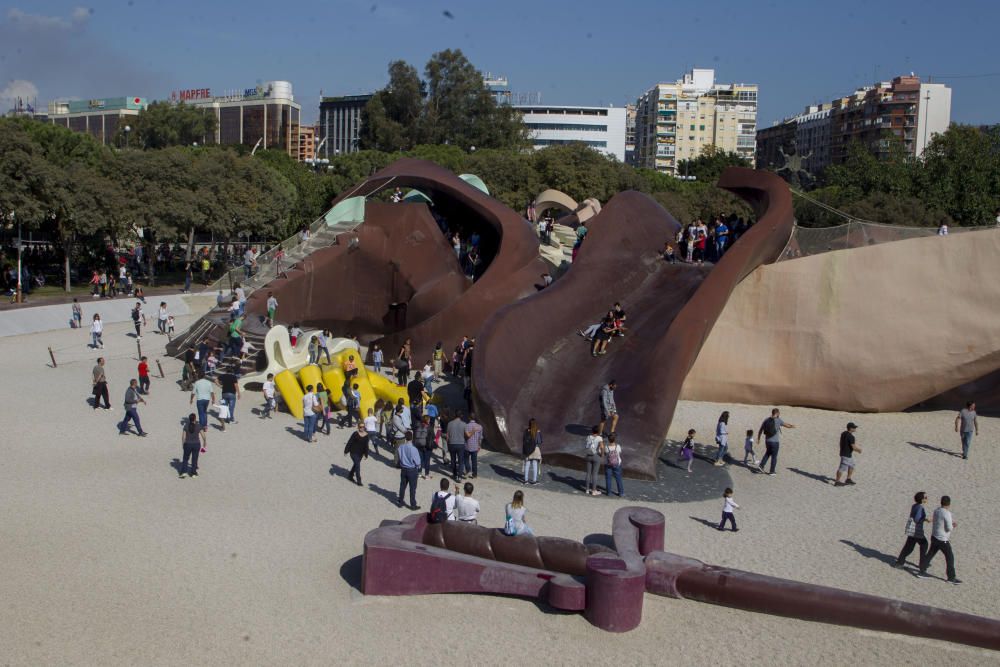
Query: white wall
{"x": 613, "y": 136}
{"x": 934, "y": 114}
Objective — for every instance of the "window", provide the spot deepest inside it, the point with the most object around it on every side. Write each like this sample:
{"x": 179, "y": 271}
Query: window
{"x": 692, "y": 128}
{"x": 567, "y": 126}
{"x": 701, "y": 127}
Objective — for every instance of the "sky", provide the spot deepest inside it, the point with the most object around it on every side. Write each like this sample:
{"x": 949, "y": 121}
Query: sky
{"x": 577, "y": 52}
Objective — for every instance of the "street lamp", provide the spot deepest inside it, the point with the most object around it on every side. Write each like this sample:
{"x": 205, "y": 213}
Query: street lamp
{"x": 256, "y": 146}
{"x": 128, "y": 128}
{"x": 927, "y": 109}
{"x": 18, "y": 296}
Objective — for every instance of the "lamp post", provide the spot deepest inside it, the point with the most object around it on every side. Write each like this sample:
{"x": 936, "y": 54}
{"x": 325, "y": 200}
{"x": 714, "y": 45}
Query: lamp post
{"x": 927, "y": 109}
{"x": 18, "y": 296}
{"x": 128, "y": 129}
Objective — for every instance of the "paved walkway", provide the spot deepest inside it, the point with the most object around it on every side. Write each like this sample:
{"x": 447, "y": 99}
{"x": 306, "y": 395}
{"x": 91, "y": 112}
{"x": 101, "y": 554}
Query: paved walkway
{"x": 34, "y": 319}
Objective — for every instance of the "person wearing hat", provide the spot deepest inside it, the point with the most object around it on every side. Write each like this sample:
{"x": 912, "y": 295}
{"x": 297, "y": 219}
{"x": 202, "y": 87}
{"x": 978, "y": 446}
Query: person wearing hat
{"x": 847, "y": 448}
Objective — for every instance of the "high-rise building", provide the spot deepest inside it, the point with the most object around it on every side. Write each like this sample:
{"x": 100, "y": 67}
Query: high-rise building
{"x": 307, "y": 142}
{"x": 100, "y": 118}
{"x": 265, "y": 115}
{"x": 601, "y": 128}
{"x": 630, "y": 134}
{"x": 677, "y": 121}
{"x": 340, "y": 124}
{"x": 905, "y": 108}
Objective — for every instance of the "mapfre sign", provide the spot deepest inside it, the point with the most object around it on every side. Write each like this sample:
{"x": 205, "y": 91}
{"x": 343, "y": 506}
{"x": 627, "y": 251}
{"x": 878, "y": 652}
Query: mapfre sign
{"x": 191, "y": 94}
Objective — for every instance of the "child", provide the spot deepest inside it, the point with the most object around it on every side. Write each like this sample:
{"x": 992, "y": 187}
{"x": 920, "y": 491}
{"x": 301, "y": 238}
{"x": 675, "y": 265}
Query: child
{"x": 294, "y": 334}
{"x": 212, "y": 361}
{"x": 77, "y": 314}
{"x": 668, "y": 253}
{"x": 272, "y": 308}
{"x": 142, "y": 297}
{"x": 687, "y": 450}
{"x": 143, "y": 376}
{"x": 268, "y": 389}
{"x": 170, "y": 326}
{"x": 728, "y": 505}
{"x": 372, "y": 427}
{"x": 377, "y": 358}
{"x": 748, "y": 448}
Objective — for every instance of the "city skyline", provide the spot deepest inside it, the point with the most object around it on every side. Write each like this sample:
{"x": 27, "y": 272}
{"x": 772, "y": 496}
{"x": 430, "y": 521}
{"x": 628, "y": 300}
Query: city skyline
{"x": 58, "y": 49}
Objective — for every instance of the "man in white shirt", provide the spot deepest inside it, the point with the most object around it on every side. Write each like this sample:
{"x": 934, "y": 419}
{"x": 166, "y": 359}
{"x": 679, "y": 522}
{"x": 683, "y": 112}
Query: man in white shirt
{"x": 467, "y": 507}
{"x": 268, "y": 390}
{"x": 309, "y": 403}
{"x": 941, "y": 541}
{"x": 450, "y": 499}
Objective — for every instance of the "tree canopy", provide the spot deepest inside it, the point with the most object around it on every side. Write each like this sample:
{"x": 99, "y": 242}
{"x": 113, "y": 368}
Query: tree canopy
{"x": 450, "y": 106}
{"x": 163, "y": 124}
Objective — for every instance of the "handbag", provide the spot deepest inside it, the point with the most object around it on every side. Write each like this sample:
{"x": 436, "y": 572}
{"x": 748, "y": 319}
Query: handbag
{"x": 911, "y": 527}
{"x": 508, "y": 526}
{"x": 223, "y": 411}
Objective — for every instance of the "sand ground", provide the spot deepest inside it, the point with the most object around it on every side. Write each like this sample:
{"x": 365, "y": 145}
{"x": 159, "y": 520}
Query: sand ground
{"x": 106, "y": 557}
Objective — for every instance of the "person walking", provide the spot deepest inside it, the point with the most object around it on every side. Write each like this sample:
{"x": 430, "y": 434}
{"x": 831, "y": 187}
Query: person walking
{"x": 409, "y": 464}
{"x": 771, "y": 430}
{"x": 132, "y": 401}
{"x": 371, "y": 424}
{"x": 377, "y": 358}
{"x": 915, "y": 530}
{"x": 422, "y": 440}
{"x": 438, "y": 358}
{"x": 531, "y": 448}
{"x": 748, "y": 453}
{"x": 357, "y": 448}
{"x": 100, "y": 389}
{"x": 686, "y": 452}
{"x": 137, "y": 320}
{"x": 161, "y": 317}
{"x": 272, "y": 308}
{"x": 310, "y": 412}
{"x": 722, "y": 438}
{"x": 143, "y": 370}
{"x": 728, "y": 506}
{"x": 230, "y": 392}
{"x": 613, "y": 466}
{"x": 269, "y": 389}
{"x": 847, "y": 448}
{"x": 323, "y": 418}
{"x": 96, "y": 332}
{"x": 516, "y": 513}
{"x": 609, "y": 411}
{"x": 77, "y": 314}
{"x": 403, "y": 363}
{"x": 966, "y": 424}
{"x": 456, "y": 445}
{"x": 473, "y": 443}
{"x": 192, "y": 442}
{"x": 203, "y": 392}
{"x": 943, "y": 525}
{"x": 592, "y": 455}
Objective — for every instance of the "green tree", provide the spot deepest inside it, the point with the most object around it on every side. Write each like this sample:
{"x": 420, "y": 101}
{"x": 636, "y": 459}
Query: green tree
{"x": 710, "y": 164}
{"x": 163, "y": 124}
{"x": 863, "y": 173}
{"x": 390, "y": 120}
{"x": 961, "y": 174}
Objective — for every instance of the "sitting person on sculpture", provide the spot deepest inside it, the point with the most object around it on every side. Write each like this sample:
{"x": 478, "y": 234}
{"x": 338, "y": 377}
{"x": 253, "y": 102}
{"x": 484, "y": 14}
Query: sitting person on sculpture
{"x": 516, "y": 512}
{"x": 603, "y": 335}
{"x": 668, "y": 253}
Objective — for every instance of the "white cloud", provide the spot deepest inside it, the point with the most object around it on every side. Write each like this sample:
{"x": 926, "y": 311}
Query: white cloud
{"x": 27, "y": 21}
{"x": 16, "y": 88}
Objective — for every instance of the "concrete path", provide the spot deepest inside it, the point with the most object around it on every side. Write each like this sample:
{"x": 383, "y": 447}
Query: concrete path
{"x": 33, "y": 319}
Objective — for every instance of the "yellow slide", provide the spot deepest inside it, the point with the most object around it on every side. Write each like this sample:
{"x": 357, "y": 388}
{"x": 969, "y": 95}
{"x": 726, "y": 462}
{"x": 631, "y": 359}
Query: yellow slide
{"x": 291, "y": 392}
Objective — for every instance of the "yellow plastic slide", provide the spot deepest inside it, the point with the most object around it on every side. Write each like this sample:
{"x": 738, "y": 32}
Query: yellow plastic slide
{"x": 290, "y": 391}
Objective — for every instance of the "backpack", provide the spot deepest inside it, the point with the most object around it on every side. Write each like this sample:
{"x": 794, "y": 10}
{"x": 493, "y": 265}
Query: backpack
{"x": 439, "y": 509}
{"x": 614, "y": 458}
{"x": 770, "y": 428}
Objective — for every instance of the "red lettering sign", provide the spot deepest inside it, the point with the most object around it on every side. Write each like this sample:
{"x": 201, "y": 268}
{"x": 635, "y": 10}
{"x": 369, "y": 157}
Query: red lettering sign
{"x": 192, "y": 94}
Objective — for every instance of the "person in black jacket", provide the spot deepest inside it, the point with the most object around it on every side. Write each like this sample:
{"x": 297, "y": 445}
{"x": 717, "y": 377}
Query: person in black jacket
{"x": 357, "y": 447}
{"x": 423, "y": 439}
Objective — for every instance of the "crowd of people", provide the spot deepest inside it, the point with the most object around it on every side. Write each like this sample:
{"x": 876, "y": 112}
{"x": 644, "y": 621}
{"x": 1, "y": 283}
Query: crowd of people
{"x": 698, "y": 242}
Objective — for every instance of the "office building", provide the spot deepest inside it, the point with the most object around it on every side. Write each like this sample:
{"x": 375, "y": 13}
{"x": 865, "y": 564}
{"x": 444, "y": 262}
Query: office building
{"x": 99, "y": 117}
{"x": 677, "y": 121}
{"x": 601, "y": 128}
{"x": 905, "y": 108}
{"x": 265, "y": 115}
{"x": 340, "y": 124}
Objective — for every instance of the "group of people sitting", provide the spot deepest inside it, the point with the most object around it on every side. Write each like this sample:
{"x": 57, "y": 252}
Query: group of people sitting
{"x": 612, "y": 324}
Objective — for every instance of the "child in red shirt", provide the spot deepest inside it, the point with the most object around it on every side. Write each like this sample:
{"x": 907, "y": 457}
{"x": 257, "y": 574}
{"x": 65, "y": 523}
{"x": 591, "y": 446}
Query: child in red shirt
{"x": 143, "y": 376}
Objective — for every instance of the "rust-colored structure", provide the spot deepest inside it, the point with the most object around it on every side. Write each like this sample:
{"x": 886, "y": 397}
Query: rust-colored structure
{"x": 608, "y": 586}
{"x": 532, "y": 364}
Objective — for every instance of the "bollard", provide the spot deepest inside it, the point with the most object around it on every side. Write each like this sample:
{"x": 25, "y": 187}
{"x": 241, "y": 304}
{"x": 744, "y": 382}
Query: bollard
{"x": 138, "y": 348}
{"x": 160, "y": 366}
{"x": 53, "y": 357}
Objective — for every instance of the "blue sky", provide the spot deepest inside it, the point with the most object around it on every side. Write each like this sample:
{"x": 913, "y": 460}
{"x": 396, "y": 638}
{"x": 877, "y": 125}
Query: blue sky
{"x": 572, "y": 52}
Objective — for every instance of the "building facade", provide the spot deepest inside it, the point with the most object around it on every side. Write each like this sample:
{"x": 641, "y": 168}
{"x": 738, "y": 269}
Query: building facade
{"x": 100, "y": 117}
{"x": 630, "y": 134}
{"x": 265, "y": 115}
{"x": 905, "y": 108}
{"x": 678, "y": 121}
{"x": 307, "y": 142}
{"x": 339, "y": 128}
{"x": 601, "y": 128}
